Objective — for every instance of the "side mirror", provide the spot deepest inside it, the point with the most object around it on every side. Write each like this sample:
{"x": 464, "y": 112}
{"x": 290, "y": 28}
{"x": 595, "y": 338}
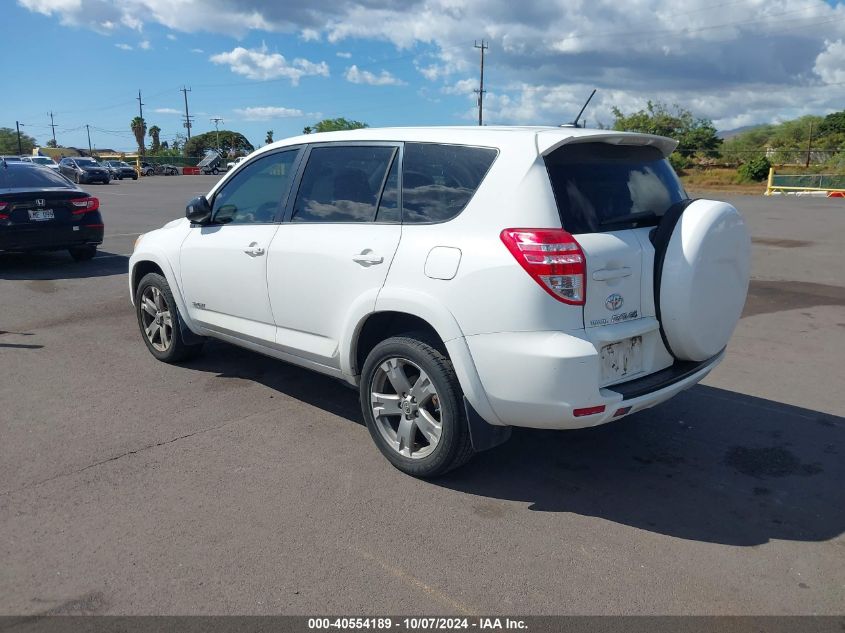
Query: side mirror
{"x": 198, "y": 211}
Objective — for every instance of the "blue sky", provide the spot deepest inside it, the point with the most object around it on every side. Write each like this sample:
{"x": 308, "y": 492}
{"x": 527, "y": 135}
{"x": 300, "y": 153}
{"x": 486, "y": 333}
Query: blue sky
{"x": 263, "y": 65}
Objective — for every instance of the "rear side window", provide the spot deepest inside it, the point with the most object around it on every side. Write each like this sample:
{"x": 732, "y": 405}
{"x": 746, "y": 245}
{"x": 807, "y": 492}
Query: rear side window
{"x": 342, "y": 184}
{"x": 601, "y": 187}
{"x": 438, "y": 181}
{"x": 30, "y": 176}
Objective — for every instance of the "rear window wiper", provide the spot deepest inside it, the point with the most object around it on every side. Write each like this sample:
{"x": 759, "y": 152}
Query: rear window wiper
{"x": 631, "y": 218}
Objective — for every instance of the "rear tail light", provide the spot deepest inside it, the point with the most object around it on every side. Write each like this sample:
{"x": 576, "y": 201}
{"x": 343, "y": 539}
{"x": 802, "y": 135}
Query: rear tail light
{"x": 4, "y": 208}
{"x": 84, "y": 205}
{"x": 554, "y": 260}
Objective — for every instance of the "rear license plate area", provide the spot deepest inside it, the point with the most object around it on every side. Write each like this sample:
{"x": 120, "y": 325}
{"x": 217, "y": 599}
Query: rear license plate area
{"x": 39, "y": 215}
{"x": 621, "y": 359}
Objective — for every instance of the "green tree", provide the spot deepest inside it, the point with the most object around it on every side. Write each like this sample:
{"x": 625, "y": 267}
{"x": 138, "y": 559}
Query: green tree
{"x": 694, "y": 135}
{"x": 833, "y": 124}
{"x": 154, "y": 133}
{"x": 333, "y": 125}
{"x": 139, "y": 129}
{"x": 52, "y": 143}
{"x": 9, "y": 141}
{"x": 269, "y": 138}
{"x": 201, "y": 143}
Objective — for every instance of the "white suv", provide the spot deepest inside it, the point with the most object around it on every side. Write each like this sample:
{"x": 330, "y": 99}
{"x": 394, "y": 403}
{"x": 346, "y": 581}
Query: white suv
{"x": 466, "y": 280}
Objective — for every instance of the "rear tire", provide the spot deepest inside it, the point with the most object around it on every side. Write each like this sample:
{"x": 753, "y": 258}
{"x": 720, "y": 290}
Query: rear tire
{"x": 159, "y": 321}
{"x": 83, "y": 253}
{"x": 413, "y": 406}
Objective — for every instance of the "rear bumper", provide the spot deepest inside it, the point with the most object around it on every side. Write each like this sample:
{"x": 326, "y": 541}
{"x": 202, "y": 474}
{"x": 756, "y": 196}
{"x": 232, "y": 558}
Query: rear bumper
{"x": 18, "y": 238}
{"x": 538, "y": 379}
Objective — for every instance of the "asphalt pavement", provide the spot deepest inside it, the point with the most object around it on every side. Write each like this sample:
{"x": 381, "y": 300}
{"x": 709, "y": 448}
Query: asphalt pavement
{"x": 237, "y": 484}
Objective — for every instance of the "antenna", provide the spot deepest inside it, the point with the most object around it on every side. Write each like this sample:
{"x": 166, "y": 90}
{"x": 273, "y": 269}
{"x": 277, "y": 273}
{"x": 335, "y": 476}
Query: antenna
{"x": 575, "y": 122}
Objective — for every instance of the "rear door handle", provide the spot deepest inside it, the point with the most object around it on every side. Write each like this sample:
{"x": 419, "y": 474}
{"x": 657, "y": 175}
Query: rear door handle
{"x": 254, "y": 250}
{"x": 611, "y": 273}
{"x": 367, "y": 258}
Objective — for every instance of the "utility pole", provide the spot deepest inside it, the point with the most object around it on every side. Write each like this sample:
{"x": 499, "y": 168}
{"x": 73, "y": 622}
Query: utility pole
{"x": 809, "y": 145}
{"x": 141, "y": 114}
{"x": 18, "y": 128}
{"x": 187, "y": 123}
{"x": 87, "y": 129}
{"x": 483, "y": 46}
{"x": 53, "y": 125}
{"x": 217, "y": 120}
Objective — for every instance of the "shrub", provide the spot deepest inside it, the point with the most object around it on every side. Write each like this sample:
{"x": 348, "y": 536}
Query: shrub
{"x": 678, "y": 161}
{"x": 756, "y": 169}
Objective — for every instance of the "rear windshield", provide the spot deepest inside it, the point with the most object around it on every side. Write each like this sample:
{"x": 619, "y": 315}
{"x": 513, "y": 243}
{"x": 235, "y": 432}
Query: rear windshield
{"x": 28, "y": 176}
{"x": 602, "y": 187}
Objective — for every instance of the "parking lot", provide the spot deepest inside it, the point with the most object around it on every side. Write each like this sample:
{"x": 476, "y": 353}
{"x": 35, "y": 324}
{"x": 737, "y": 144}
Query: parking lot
{"x": 237, "y": 484}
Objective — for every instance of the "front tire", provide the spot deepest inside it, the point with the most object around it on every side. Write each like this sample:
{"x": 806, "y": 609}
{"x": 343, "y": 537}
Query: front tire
{"x": 412, "y": 404}
{"x": 159, "y": 321}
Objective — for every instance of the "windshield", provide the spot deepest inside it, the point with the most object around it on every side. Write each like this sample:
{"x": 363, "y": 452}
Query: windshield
{"x": 602, "y": 187}
{"x": 86, "y": 162}
{"x": 42, "y": 160}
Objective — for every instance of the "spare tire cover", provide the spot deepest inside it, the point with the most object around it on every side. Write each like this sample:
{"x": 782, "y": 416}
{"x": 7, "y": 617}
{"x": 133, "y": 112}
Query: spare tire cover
{"x": 703, "y": 281}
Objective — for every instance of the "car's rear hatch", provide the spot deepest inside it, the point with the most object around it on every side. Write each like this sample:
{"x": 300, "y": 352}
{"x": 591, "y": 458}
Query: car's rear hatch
{"x": 611, "y": 193}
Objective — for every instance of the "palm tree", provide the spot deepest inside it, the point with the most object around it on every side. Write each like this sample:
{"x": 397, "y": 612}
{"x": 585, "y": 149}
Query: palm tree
{"x": 139, "y": 129}
{"x": 154, "y": 132}
{"x": 269, "y": 138}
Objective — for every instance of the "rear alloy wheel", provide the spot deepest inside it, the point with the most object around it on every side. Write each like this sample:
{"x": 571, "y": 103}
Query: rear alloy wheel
{"x": 158, "y": 319}
{"x": 413, "y": 407}
{"x": 83, "y": 253}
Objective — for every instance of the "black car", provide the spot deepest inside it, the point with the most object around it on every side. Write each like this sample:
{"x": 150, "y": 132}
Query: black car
{"x": 41, "y": 211}
{"x": 122, "y": 170}
{"x": 82, "y": 170}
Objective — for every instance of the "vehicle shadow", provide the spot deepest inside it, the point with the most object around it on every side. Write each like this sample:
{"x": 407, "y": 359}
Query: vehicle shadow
{"x": 59, "y": 265}
{"x": 710, "y": 465}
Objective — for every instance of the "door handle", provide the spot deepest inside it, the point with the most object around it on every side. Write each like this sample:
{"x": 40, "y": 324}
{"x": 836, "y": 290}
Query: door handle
{"x": 254, "y": 250}
{"x": 367, "y": 258}
{"x": 611, "y": 273}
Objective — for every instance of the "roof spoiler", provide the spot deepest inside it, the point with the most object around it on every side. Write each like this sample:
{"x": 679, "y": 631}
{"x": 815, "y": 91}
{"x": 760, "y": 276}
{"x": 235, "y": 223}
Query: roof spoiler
{"x": 549, "y": 141}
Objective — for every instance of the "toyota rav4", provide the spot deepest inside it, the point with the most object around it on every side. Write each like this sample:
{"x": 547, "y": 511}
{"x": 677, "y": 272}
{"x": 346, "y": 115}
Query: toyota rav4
{"x": 465, "y": 280}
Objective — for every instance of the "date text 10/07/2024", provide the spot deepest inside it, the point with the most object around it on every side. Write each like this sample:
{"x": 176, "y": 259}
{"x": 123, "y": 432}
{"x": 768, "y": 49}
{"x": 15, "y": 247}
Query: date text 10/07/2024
{"x": 416, "y": 623}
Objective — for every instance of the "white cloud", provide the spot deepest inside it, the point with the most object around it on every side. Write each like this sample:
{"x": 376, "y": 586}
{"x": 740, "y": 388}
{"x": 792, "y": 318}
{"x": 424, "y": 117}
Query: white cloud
{"x": 124, "y": 47}
{"x": 266, "y": 113}
{"x": 171, "y": 37}
{"x": 167, "y": 111}
{"x": 197, "y": 50}
{"x": 261, "y": 64}
{"x": 144, "y": 45}
{"x": 344, "y": 55}
{"x": 745, "y": 61}
{"x": 357, "y": 76}
{"x": 310, "y": 35}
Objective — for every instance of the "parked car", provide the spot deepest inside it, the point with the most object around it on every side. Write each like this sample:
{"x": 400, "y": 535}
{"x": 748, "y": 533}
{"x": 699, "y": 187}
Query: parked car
{"x": 42, "y": 210}
{"x": 11, "y": 159}
{"x": 81, "y": 169}
{"x": 123, "y": 170}
{"x": 105, "y": 165}
{"x": 234, "y": 163}
{"x": 553, "y": 278}
{"x": 44, "y": 161}
{"x": 147, "y": 169}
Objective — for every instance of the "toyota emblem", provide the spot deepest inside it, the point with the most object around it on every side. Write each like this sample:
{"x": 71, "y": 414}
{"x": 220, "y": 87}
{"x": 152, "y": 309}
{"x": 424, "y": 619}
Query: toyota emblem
{"x": 614, "y": 301}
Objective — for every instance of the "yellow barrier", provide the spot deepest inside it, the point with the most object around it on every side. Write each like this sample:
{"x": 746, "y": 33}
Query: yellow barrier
{"x": 771, "y": 187}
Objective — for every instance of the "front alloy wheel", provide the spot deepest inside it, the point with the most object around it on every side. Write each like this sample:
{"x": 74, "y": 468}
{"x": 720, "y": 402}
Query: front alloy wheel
{"x": 156, "y": 319}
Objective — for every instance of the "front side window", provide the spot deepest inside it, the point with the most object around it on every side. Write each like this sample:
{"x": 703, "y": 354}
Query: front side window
{"x": 438, "y": 181}
{"x": 342, "y": 184}
{"x": 254, "y": 194}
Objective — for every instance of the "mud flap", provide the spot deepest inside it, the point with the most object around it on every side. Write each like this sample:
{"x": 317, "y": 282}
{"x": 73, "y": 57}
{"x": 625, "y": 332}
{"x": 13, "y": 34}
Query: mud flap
{"x": 482, "y": 434}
